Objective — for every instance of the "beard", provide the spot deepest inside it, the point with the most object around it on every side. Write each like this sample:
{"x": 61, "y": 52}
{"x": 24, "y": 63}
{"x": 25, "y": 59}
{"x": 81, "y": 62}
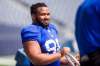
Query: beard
{"x": 44, "y": 23}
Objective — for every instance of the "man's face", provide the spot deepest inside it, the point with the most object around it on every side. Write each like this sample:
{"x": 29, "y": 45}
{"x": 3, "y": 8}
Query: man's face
{"x": 43, "y": 15}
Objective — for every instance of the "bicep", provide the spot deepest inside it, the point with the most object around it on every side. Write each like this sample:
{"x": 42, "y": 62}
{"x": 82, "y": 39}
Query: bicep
{"x": 32, "y": 46}
{"x": 32, "y": 49}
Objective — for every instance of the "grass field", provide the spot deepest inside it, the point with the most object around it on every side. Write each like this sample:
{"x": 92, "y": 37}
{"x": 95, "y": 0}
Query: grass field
{"x": 7, "y": 60}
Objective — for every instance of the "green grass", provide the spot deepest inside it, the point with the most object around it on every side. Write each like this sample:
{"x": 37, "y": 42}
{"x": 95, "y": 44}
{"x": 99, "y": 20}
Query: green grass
{"x": 3, "y": 65}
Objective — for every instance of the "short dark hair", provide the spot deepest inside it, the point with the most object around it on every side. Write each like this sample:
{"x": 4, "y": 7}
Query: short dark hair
{"x": 33, "y": 8}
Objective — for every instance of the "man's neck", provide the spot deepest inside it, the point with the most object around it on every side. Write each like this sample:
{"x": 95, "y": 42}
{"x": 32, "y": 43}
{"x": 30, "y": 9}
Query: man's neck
{"x": 40, "y": 24}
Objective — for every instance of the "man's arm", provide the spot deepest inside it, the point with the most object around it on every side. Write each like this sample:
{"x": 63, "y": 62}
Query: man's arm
{"x": 34, "y": 53}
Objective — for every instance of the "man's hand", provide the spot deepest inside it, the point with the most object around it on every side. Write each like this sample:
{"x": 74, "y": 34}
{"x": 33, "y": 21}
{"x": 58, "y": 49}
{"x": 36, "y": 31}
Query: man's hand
{"x": 65, "y": 50}
{"x": 63, "y": 59}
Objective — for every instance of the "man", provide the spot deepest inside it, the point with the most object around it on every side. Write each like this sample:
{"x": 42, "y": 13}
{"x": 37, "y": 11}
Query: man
{"x": 40, "y": 40}
{"x": 87, "y": 31}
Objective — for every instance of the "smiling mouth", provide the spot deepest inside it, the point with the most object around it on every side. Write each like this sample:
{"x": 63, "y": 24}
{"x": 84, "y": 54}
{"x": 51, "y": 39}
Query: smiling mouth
{"x": 45, "y": 21}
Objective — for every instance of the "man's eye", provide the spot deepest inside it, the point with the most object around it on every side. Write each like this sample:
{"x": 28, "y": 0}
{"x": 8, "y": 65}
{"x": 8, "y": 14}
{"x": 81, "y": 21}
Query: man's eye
{"x": 45, "y": 14}
{"x": 48, "y": 14}
{"x": 42, "y": 14}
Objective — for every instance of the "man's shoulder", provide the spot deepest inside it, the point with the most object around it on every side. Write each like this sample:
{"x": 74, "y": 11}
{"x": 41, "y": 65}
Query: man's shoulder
{"x": 30, "y": 28}
{"x": 52, "y": 26}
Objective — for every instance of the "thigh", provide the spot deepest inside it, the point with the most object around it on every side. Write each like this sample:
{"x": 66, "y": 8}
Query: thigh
{"x": 96, "y": 60}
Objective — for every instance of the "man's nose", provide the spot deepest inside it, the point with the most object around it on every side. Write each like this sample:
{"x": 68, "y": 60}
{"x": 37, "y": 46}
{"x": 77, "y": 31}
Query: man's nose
{"x": 47, "y": 16}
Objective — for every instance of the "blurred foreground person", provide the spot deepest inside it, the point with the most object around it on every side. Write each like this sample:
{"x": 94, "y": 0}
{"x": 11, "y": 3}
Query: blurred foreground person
{"x": 87, "y": 31}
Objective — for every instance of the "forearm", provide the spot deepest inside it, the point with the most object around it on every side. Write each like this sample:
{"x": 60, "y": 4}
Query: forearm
{"x": 44, "y": 59}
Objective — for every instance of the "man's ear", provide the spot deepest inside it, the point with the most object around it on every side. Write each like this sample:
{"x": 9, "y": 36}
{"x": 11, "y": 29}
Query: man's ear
{"x": 33, "y": 17}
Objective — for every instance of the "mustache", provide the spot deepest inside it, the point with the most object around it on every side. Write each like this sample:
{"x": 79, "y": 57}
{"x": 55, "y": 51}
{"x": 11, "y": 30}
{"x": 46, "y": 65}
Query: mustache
{"x": 46, "y": 19}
